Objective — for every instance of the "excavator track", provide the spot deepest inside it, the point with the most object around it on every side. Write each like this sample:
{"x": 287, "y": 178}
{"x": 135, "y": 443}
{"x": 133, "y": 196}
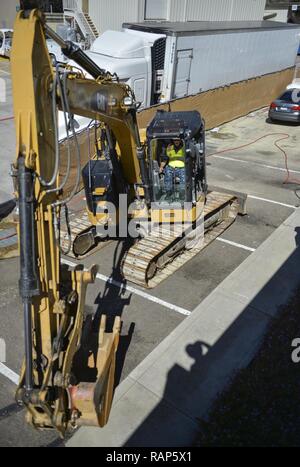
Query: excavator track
{"x": 159, "y": 255}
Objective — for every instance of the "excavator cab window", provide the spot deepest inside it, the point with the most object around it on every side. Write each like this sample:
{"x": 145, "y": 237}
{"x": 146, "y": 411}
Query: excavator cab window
{"x": 169, "y": 185}
{"x": 189, "y": 182}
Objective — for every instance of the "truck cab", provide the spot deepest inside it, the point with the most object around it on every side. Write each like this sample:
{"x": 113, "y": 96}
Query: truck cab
{"x": 137, "y": 58}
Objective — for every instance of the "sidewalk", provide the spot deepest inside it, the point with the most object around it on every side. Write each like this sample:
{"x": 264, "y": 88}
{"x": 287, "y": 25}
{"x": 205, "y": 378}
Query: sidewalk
{"x": 161, "y": 400}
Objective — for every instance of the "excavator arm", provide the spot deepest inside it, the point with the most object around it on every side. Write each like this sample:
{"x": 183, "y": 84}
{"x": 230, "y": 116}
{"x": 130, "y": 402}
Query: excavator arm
{"x": 57, "y": 393}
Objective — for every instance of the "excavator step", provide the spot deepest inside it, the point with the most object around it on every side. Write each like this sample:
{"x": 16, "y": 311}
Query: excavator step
{"x": 141, "y": 264}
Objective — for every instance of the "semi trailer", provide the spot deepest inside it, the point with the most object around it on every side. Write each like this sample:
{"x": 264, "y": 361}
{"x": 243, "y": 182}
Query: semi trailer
{"x": 162, "y": 61}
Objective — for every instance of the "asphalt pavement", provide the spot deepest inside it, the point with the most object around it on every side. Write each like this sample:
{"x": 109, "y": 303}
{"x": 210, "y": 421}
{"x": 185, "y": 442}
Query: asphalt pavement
{"x": 149, "y": 317}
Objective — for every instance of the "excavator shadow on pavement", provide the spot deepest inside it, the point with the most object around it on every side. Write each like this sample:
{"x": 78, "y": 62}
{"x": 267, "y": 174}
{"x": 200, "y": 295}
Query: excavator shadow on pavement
{"x": 116, "y": 299}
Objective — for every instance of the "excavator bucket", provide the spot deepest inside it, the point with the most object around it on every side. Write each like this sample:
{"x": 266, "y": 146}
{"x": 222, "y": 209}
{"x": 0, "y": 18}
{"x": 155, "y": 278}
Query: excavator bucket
{"x": 91, "y": 402}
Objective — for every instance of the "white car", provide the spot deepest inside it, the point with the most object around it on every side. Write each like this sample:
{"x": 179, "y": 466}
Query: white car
{"x": 6, "y": 36}
{"x": 295, "y": 84}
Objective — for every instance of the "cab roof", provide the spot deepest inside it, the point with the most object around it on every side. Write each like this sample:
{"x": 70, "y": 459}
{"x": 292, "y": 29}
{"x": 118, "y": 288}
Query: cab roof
{"x": 174, "y": 124}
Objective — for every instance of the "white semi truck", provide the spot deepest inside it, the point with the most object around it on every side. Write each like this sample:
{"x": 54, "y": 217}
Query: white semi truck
{"x": 165, "y": 61}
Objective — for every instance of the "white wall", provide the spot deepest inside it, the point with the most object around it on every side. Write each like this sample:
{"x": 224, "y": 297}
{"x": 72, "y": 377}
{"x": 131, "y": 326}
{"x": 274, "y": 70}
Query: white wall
{"x": 248, "y": 10}
{"x": 8, "y": 13}
{"x": 110, "y": 14}
{"x": 156, "y": 9}
{"x": 216, "y": 10}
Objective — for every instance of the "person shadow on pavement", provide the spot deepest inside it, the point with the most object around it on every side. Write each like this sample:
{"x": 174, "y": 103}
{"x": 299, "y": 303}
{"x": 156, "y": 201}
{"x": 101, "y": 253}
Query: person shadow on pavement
{"x": 174, "y": 415}
{"x": 164, "y": 423}
{"x": 297, "y": 237}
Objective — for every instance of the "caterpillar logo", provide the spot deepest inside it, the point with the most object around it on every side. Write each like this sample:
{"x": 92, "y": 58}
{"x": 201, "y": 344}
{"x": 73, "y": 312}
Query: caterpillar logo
{"x": 99, "y": 102}
{"x": 2, "y": 351}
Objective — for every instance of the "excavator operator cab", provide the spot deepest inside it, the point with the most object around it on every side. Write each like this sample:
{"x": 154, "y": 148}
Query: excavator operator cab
{"x": 176, "y": 148}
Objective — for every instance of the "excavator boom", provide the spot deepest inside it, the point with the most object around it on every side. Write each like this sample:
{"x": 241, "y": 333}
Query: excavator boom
{"x": 56, "y": 391}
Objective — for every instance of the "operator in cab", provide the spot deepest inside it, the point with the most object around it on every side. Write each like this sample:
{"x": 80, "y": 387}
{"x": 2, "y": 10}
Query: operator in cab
{"x": 173, "y": 165}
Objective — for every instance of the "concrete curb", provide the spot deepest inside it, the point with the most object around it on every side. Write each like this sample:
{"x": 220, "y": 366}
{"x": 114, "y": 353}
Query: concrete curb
{"x": 160, "y": 402}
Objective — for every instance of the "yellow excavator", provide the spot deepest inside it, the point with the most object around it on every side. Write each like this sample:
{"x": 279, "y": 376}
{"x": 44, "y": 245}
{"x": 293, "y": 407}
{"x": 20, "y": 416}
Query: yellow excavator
{"x": 172, "y": 219}
{"x": 57, "y": 392}
{"x": 128, "y": 194}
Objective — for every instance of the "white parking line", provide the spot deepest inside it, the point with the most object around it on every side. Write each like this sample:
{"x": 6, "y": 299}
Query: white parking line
{"x": 9, "y": 374}
{"x": 14, "y": 378}
{"x": 146, "y": 296}
{"x": 272, "y": 167}
{"x": 140, "y": 293}
{"x": 237, "y": 245}
{"x": 4, "y": 72}
{"x": 272, "y": 202}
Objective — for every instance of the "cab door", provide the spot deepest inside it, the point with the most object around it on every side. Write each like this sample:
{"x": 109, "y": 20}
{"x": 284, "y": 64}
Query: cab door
{"x": 183, "y": 73}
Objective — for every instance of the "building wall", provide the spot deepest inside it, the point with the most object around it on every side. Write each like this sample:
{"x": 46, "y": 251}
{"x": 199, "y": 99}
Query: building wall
{"x": 249, "y": 10}
{"x": 110, "y": 14}
{"x": 8, "y": 13}
{"x": 279, "y": 4}
{"x": 216, "y": 10}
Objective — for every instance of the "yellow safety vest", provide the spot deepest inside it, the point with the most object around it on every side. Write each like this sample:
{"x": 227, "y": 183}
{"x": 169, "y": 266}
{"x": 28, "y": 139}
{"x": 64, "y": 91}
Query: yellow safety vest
{"x": 176, "y": 159}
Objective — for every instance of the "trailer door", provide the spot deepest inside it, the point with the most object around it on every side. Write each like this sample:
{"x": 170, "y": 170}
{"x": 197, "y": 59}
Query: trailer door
{"x": 183, "y": 73}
